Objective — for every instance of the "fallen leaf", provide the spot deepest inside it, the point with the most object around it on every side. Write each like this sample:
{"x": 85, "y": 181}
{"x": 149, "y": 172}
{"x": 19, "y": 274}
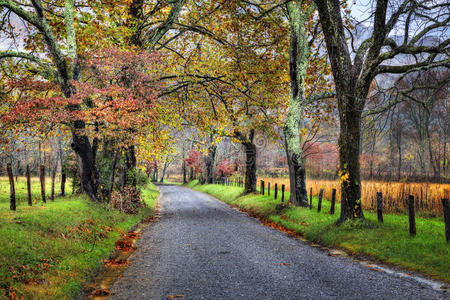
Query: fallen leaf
{"x": 285, "y": 264}
{"x": 100, "y": 293}
{"x": 176, "y": 296}
{"x": 375, "y": 269}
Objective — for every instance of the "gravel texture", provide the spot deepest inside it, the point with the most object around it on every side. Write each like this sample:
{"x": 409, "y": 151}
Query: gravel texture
{"x": 203, "y": 249}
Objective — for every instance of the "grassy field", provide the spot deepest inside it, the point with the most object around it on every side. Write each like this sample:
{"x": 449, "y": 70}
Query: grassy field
{"x": 427, "y": 195}
{"x": 389, "y": 242}
{"x": 48, "y": 250}
{"x": 21, "y": 189}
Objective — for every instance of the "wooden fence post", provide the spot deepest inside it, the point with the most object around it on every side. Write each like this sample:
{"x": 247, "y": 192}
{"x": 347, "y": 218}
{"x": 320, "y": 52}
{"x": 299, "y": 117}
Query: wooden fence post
{"x": 319, "y": 206}
{"x": 276, "y": 191}
{"x": 30, "y": 200}
{"x": 333, "y": 201}
{"x": 42, "y": 177}
{"x": 262, "y": 187}
{"x": 282, "y": 193}
{"x": 310, "y": 198}
{"x": 12, "y": 190}
{"x": 380, "y": 207}
{"x": 446, "y": 219}
{"x": 268, "y": 189}
{"x": 412, "y": 218}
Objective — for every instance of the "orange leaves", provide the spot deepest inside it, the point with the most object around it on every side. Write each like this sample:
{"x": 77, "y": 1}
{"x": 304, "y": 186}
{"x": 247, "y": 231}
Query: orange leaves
{"x": 116, "y": 262}
{"x": 100, "y": 293}
{"x": 175, "y": 296}
{"x": 372, "y": 268}
{"x": 12, "y": 294}
{"x": 125, "y": 244}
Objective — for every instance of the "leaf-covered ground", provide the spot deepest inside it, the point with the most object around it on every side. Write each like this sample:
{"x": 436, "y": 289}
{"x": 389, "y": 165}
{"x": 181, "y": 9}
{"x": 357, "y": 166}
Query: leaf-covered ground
{"x": 389, "y": 242}
{"x": 48, "y": 250}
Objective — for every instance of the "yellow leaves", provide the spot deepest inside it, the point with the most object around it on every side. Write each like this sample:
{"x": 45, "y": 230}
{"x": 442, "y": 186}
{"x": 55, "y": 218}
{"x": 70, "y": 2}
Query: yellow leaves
{"x": 344, "y": 176}
{"x": 303, "y": 131}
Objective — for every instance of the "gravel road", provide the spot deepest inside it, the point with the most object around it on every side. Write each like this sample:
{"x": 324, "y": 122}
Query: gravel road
{"x": 203, "y": 249}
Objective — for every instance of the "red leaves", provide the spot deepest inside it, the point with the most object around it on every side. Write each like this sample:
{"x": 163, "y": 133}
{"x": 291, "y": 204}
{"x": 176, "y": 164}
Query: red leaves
{"x": 225, "y": 168}
{"x": 195, "y": 161}
{"x": 120, "y": 94}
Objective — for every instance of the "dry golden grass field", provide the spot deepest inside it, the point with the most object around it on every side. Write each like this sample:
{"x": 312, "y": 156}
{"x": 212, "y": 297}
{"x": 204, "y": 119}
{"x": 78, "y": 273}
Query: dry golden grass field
{"x": 427, "y": 195}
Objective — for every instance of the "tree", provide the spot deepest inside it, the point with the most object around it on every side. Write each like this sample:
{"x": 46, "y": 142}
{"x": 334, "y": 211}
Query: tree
{"x": 54, "y": 64}
{"x": 227, "y": 81}
{"x": 354, "y": 72}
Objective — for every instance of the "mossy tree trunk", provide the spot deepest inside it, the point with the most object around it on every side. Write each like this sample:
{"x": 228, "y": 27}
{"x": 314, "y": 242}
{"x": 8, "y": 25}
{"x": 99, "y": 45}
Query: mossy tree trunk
{"x": 298, "y": 62}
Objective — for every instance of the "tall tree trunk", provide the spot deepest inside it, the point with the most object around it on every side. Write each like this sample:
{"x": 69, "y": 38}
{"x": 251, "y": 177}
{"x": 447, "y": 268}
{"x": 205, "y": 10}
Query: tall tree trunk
{"x": 90, "y": 178}
{"x": 399, "y": 163}
{"x": 42, "y": 177}
{"x": 63, "y": 182}
{"x": 12, "y": 191}
{"x": 298, "y": 61}
{"x": 166, "y": 164}
{"x": 30, "y": 200}
{"x": 250, "y": 160}
{"x": 130, "y": 164}
{"x": 349, "y": 147}
{"x": 52, "y": 194}
{"x": 250, "y": 166}
{"x": 209, "y": 162}
{"x": 191, "y": 173}
{"x": 155, "y": 173}
{"x": 183, "y": 166}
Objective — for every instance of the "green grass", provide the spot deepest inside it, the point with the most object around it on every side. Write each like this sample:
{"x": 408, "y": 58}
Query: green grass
{"x": 21, "y": 189}
{"x": 48, "y": 250}
{"x": 389, "y": 242}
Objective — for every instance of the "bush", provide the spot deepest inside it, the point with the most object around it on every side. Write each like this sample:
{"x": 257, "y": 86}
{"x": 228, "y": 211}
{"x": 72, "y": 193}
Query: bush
{"x": 127, "y": 200}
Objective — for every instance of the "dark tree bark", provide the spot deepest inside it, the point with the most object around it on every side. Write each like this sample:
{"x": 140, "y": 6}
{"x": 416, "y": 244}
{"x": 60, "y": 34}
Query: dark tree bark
{"x": 166, "y": 164}
{"x": 52, "y": 195}
{"x": 130, "y": 163}
{"x": 155, "y": 173}
{"x": 191, "y": 173}
{"x": 12, "y": 190}
{"x": 209, "y": 162}
{"x": 90, "y": 178}
{"x": 30, "y": 200}
{"x": 63, "y": 182}
{"x": 349, "y": 147}
{"x": 42, "y": 178}
{"x": 184, "y": 171}
{"x": 250, "y": 168}
{"x": 297, "y": 179}
{"x": 250, "y": 161}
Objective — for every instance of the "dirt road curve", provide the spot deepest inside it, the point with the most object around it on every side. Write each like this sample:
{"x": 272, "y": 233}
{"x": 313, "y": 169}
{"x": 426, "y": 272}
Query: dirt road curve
{"x": 203, "y": 249}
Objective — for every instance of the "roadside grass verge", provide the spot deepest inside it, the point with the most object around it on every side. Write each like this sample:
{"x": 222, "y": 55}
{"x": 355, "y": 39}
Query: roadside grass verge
{"x": 389, "y": 242}
{"x": 48, "y": 250}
